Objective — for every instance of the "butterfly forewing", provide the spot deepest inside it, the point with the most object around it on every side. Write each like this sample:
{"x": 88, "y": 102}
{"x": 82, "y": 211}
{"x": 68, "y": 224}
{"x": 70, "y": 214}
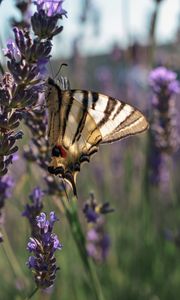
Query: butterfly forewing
{"x": 115, "y": 119}
{"x": 79, "y": 121}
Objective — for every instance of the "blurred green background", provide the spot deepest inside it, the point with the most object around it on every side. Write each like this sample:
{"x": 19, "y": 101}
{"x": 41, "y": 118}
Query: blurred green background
{"x": 142, "y": 264}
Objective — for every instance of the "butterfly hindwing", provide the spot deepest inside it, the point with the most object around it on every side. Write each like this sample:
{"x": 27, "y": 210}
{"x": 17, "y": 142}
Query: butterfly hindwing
{"x": 79, "y": 121}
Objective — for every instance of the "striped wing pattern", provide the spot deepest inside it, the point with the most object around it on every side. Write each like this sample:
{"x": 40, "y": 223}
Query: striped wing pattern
{"x": 115, "y": 119}
{"x": 79, "y": 121}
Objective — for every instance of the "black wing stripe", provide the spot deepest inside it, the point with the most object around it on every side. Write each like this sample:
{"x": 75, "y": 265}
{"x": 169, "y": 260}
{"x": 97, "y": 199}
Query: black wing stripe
{"x": 118, "y": 110}
{"x": 108, "y": 140}
{"x": 123, "y": 123}
{"x": 83, "y": 117}
{"x": 95, "y": 97}
{"x": 65, "y": 120}
{"x": 109, "y": 109}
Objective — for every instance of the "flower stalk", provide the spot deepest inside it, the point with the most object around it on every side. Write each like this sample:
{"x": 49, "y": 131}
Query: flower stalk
{"x": 71, "y": 213}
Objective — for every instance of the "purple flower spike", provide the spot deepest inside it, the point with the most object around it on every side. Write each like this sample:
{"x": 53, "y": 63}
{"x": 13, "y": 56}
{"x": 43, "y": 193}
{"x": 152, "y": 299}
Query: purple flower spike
{"x": 90, "y": 213}
{"x": 164, "y": 80}
{"x": 51, "y": 7}
{"x": 36, "y": 195}
{"x": 44, "y": 21}
{"x": 43, "y": 247}
{"x": 97, "y": 240}
{"x": 32, "y": 210}
{"x": 164, "y": 138}
{"x": 92, "y": 210}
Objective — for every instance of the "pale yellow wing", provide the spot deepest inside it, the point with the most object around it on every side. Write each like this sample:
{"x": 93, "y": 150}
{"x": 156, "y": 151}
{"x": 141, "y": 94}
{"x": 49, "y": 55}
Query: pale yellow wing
{"x": 114, "y": 118}
{"x": 79, "y": 121}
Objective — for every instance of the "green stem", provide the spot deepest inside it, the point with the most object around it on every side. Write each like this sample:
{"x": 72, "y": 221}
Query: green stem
{"x": 146, "y": 182}
{"x": 78, "y": 236}
{"x": 10, "y": 255}
{"x": 32, "y": 294}
{"x": 95, "y": 281}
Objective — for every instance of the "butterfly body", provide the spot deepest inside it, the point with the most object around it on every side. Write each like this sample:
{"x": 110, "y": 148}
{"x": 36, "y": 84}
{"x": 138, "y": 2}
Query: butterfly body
{"x": 79, "y": 121}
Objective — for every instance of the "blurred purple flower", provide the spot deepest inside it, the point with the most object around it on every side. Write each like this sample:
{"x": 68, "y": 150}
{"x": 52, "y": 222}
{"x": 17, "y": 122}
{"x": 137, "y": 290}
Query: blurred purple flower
{"x": 43, "y": 247}
{"x": 33, "y": 210}
{"x": 6, "y": 184}
{"x": 97, "y": 240}
{"x": 90, "y": 213}
{"x": 173, "y": 237}
{"x": 163, "y": 81}
{"x": 93, "y": 210}
{"x": 164, "y": 138}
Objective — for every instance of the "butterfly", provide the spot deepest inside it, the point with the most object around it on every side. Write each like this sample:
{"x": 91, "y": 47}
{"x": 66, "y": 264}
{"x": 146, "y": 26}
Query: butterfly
{"x": 79, "y": 121}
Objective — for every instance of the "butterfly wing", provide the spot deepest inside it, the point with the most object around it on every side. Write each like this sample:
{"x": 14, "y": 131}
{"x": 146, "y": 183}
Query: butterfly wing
{"x": 68, "y": 119}
{"x": 115, "y": 119}
{"x": 79, "y": 121}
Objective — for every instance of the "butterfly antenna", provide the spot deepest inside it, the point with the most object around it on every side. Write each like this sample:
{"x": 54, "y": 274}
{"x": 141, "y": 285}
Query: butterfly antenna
{"x": 62, "y": 65}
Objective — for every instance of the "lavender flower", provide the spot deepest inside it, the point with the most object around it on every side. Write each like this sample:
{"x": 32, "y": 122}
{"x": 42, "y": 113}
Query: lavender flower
{"x": 9, "y": 120}
{"x": 164, "y": 139}
{"x": 27, "y": 61}
{"x": 6, "y": 184}
{"x": 32, "y": 210}
{"x": 38, "y": 149}
{"x": 25, "y": 55}
{"x": 51, "y": 7}
{"x": 93, "y": 211}
{"x": 43, "y": 247}
{"x": 163, "y": 82}
{"x": 97, "y": 240}
{"x": 44, "y": 21}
